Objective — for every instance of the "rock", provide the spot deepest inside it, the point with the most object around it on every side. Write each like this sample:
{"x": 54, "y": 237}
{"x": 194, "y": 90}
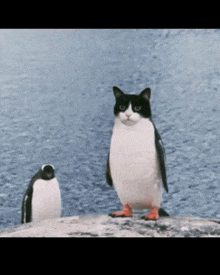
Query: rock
{"x": 104, "y": 226}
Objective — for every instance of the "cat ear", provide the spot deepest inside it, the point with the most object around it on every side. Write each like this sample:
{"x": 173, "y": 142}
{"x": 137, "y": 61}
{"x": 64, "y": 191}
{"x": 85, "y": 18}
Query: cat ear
{"x": 146, "y": 93}
{"x": 117, "y": 92}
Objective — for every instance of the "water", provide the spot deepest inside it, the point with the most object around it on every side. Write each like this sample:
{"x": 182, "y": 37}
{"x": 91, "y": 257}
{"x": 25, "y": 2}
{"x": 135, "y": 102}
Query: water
{"x": 57, "y": 107}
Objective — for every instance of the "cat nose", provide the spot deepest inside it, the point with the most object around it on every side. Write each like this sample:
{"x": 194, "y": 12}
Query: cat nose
{"x": 128, "y": 113}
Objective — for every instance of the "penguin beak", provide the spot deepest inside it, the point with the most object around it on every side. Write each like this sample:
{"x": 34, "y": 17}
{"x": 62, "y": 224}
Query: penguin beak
{"x": 48, "y": 176}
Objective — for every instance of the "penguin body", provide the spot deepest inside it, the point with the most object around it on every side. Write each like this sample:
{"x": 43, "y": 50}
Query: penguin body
{"x": 42, "y": 199}
{"x": 135, "y": 172}
{"x": 136, "y": 162}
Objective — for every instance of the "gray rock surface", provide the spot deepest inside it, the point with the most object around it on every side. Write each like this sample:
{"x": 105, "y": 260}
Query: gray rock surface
{"x": 104, "y": 226}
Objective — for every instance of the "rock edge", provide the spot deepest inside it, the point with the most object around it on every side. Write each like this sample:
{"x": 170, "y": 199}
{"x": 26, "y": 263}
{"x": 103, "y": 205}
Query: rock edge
{"x": 104, "y": 226}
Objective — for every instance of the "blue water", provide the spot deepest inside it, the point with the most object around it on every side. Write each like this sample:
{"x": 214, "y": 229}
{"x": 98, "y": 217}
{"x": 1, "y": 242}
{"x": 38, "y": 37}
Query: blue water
{"x": 56, "y": 106}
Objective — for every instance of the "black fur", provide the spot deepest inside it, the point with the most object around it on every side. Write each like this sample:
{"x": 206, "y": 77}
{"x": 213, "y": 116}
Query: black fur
{"x": 141, "y": 100}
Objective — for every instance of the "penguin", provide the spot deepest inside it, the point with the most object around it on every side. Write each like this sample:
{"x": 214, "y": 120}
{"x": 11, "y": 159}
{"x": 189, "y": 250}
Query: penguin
{"x": 136, "y": 161}
{"x": 42, "y": 199}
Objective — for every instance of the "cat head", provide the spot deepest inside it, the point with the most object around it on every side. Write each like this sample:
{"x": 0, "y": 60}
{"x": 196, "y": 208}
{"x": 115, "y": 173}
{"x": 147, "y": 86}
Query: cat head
{"x": 130, "y": 109}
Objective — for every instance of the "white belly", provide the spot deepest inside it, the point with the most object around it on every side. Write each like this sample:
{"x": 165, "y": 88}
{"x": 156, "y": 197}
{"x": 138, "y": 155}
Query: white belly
{"x": 46, "y": 200}
{"x": 134, "y": 165}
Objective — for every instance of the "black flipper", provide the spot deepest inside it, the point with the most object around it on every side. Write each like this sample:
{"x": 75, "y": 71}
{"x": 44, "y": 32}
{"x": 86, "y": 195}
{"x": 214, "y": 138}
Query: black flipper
{"x": 26, "y": 206}
{"x": 27, "y": 199}
{"x": 108, "y": 173}
{"x": 161, "y": 157}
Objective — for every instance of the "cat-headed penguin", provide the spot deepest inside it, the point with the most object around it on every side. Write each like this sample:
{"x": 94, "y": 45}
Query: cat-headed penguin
{"x": 42, "y": 199}
{"x": 136, "y": 161}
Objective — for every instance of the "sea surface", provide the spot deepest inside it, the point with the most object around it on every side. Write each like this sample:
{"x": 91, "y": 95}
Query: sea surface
{"x": 56, "y": 107}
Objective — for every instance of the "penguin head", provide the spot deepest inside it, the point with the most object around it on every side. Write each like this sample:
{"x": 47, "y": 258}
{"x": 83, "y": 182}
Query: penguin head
{"x": 48, "y": 172}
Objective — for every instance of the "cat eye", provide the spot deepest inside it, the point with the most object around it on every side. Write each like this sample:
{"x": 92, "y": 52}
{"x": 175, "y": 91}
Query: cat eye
{"x": 137, "y": 108}
{"x": 122, "y": 107}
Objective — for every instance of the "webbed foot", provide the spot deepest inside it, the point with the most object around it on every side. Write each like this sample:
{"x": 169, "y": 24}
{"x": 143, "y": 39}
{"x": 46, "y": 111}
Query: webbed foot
{"x": 153, "y": 216}
{"x": 127, "y": 212}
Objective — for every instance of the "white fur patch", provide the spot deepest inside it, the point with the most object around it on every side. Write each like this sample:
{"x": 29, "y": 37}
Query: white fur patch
{"x": 134, "y": 164}
{"x": 129, "y": 117}
{"x": 46, "y": 200}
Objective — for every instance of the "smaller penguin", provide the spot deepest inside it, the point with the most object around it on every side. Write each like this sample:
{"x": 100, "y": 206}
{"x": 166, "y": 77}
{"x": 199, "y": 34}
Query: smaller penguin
{"x": 42, "y": 199}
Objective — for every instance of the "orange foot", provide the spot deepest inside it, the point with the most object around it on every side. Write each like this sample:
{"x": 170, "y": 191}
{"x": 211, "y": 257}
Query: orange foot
{"x": 125, "y": 213}
{"x": 154, "y": 215}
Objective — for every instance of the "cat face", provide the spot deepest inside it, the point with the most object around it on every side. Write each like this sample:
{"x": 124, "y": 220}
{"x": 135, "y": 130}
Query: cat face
{"x": 132, "y": 108}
